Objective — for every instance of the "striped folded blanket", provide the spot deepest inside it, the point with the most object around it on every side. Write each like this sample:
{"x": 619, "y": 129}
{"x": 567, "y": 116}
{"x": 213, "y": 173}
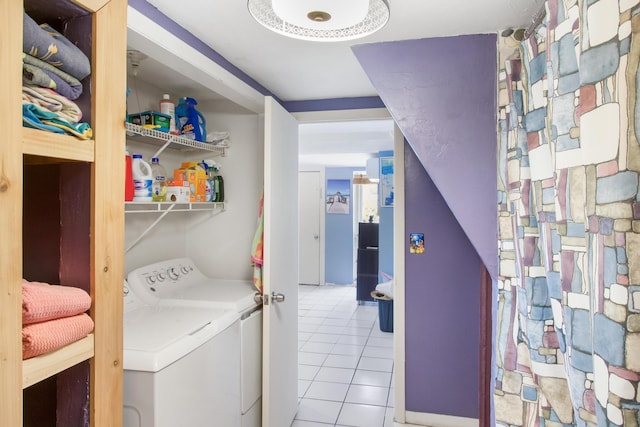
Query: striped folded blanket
{"x": 45, "y": 337}
{"x": 42, "y": 302}
{"x": 52, "y": 101}
{"x": 36, "y": 72}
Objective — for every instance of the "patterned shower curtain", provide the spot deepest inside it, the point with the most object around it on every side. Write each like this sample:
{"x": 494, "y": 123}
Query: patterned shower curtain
{"x": 568, "y": 331}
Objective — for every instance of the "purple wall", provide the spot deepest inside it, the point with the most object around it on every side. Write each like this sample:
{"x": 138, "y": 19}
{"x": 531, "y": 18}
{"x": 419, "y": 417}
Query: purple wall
{"x": 442, "y": 304}
{"x": 442, "y": 94}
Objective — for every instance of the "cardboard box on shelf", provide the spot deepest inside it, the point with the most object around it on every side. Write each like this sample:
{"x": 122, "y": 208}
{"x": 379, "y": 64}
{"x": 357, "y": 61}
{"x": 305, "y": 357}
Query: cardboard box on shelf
{"x": 178, "y": 191}
{"x": 151, "y": 120}
{"x": 197, "y": 181}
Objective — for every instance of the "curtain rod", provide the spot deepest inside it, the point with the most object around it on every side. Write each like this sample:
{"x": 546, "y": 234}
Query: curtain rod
{"x": 535, "y": 21}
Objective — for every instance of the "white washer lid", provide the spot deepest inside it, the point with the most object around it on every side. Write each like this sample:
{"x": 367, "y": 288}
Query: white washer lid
{"x": 227, "y": 293}
{"x": 156, "y": 336}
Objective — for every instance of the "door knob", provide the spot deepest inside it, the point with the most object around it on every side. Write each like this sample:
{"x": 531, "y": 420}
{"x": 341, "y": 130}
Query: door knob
{"x": 315, "y": 236}
{"x": 277, "y": 297}
{"x": 261, "y": 299}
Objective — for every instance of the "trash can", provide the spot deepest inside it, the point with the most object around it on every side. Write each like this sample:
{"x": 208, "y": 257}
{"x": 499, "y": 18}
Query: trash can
{"x": 385, "y": 311}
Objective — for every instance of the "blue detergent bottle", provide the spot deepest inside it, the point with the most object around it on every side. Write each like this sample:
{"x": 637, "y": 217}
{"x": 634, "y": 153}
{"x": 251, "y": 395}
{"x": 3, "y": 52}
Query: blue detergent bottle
{"x": 190, "y": 121}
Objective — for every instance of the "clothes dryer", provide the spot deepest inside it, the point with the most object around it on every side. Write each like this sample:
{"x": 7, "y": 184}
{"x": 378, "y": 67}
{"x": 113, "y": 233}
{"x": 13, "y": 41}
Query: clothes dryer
{"x": 180, "y": 279}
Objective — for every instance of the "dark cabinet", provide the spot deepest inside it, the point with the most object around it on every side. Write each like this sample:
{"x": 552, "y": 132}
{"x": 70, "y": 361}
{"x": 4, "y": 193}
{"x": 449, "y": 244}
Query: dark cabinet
{"x": 367, "y": 270}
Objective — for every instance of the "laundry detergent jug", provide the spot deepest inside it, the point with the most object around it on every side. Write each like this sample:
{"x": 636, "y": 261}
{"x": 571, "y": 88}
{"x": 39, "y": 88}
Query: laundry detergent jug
{"x": 190, "y": 121}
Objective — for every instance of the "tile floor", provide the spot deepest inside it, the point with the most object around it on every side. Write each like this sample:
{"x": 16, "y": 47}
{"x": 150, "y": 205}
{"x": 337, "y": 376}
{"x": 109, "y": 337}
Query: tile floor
{"x": 345, "y": 362}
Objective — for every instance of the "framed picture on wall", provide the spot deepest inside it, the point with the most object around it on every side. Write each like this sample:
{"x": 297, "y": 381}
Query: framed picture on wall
{"x": 386, "y": 182}
{"x": 338, "y": 196}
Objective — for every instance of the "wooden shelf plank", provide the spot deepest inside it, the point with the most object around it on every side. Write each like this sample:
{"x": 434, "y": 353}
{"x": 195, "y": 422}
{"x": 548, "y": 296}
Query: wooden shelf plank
{"x": 48, "y": 144}
{"x": 90, "y": 5}
{"x": 42, "y": 367}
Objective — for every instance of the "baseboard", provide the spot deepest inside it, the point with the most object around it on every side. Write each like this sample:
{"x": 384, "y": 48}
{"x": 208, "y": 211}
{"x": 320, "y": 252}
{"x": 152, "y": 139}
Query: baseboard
{"x": 438, "y": 420}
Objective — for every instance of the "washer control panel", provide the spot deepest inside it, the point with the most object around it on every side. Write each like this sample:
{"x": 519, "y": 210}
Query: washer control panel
{"x": 163, "y": 279}
{"x": 131, "y": 300}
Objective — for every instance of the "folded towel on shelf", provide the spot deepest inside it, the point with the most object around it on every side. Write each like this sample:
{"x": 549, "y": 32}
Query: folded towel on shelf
{"x": 45, "y": 43}
{"x": 36, "y": 72}
{"x": 45, "y": 337}
{"x": 42, "y": 302}
{"x": 31, "y": 116}
{"x": 39, "y": 118}
{"x": 52, "y": 101}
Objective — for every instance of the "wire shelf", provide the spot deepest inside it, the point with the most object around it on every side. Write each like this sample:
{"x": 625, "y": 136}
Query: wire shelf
{"x": 147, "y": 207}
{"x": 157, "y": 138}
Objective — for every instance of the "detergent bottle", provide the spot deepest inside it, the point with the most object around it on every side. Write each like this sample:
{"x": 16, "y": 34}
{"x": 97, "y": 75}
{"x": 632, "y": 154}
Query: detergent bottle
{"x": 169, "y": 108}
{"x": 129, "y": 189}
{"x": 189, "y": 121}
{"x": 217, "y": 184}
{"x": 210, "y": 194}
{"x": 142, "y": 179}
{"x": 159, "y": 185}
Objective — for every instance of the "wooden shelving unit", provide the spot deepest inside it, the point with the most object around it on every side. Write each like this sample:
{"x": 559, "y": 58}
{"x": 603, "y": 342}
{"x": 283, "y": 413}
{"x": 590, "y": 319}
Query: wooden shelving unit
{"x": 100, "y": 164}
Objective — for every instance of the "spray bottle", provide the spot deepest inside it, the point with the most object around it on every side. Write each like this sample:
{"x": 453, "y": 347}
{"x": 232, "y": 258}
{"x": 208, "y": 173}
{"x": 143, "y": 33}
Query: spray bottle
{"x": 215, "y": 183}
{"x": 218, "y": 184}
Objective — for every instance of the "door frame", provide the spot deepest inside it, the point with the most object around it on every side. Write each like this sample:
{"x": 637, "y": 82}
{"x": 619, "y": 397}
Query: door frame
{"x": 399, "y": 327}
{"x": 398, "y": 239}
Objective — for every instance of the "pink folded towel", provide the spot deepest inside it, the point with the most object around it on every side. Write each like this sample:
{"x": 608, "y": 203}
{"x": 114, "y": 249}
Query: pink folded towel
{"x": 45, "y": 337}
{"x": 42, "y": 302}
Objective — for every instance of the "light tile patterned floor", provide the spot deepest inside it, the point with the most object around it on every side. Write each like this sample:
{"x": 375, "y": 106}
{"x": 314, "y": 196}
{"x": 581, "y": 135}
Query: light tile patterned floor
{"x": 345, "y": 362}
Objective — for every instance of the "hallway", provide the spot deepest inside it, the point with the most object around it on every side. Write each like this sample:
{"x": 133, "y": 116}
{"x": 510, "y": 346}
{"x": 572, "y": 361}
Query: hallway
{"x": 345, "y": 362}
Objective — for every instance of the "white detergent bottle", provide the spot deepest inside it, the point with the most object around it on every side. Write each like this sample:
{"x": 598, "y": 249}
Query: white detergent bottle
{"x": 169, "y": 108}
{"x": 142, "y": 179}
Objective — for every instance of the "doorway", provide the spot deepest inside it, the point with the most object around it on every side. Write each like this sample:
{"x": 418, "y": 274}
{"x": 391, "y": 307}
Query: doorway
{"x": 334, "y": 149}
{"x": 332, "y": 146}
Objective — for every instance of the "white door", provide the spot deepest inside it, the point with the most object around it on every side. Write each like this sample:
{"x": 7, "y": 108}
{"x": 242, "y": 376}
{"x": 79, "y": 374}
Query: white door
{"x": 309, "y": 238}
{"x": 280, "y": 272}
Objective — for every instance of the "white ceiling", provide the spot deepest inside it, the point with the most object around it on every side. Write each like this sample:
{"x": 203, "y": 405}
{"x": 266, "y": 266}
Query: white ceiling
{"x": 302, "y": 70}
{"x": 348, "y": 143}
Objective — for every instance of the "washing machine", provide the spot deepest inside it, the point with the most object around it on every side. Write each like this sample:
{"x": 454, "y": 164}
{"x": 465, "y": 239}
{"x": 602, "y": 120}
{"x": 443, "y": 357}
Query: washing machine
{"x": 181, "y": 363}
{"x": 180, "y": 280}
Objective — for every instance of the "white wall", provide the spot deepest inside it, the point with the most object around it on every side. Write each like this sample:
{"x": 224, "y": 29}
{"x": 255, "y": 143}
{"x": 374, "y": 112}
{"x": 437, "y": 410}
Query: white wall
{"x": 220, "y": 245}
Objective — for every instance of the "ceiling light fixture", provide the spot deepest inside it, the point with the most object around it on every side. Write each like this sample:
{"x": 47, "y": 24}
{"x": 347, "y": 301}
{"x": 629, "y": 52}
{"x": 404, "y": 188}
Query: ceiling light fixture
{"x": 361, "y": 178}
{"x": 321, "y": 20}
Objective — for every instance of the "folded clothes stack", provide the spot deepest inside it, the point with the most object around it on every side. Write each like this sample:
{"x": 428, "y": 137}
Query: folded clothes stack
{"x": 52, "y": 317}
{"x": 52, "y": 62}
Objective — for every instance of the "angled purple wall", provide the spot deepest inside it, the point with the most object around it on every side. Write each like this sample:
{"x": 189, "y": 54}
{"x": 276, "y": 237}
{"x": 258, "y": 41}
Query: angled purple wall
{"x": 442, "y": 304}
{"x": 442, "y": 94}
